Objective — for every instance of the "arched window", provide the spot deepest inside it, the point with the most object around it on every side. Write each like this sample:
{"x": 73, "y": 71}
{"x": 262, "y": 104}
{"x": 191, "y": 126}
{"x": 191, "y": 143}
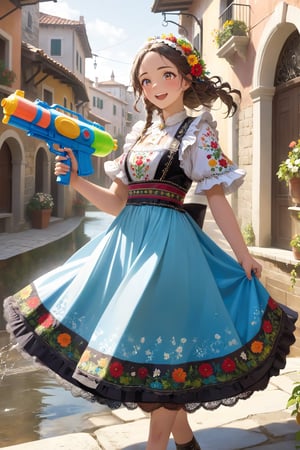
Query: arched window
{"x": 288, "y": 66}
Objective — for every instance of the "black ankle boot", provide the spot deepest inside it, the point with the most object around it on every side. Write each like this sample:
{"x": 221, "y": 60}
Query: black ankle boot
{"x": 192, "y": 445}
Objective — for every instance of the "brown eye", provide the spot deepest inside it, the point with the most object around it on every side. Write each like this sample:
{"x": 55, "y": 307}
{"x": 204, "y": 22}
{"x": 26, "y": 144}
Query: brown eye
{"x": 145, "y": 82}
{"x": 169, "y": 75}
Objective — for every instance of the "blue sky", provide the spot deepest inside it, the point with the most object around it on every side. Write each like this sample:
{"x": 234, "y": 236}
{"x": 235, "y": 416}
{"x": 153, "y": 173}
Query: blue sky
{"x": 115, "y": 32}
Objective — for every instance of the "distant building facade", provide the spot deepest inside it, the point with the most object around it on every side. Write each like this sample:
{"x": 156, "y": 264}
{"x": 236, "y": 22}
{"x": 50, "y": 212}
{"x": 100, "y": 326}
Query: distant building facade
{"x": 26, "y": 165}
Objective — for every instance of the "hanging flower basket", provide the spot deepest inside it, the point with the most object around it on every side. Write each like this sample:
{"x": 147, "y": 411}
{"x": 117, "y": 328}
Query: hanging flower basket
{"x": 230, "y": 28}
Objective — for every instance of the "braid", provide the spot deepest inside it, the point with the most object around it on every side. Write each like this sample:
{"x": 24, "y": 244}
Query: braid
{"x": 149, "y": 109}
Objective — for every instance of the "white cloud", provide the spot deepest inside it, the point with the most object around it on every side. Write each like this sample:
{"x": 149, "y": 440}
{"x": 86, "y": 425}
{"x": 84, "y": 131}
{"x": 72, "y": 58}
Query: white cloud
{"x": 100, "y": 31}
{"x": 108, "y": 42}
{"x": 60, "y": 9}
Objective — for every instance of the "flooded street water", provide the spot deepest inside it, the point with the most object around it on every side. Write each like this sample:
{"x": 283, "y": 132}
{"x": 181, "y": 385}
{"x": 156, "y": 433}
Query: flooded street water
{"x": 32, "y": 404}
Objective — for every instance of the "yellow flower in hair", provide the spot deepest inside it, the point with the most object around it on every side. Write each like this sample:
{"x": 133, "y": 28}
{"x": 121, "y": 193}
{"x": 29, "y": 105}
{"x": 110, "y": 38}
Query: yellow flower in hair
{"x": 192, "y": 60}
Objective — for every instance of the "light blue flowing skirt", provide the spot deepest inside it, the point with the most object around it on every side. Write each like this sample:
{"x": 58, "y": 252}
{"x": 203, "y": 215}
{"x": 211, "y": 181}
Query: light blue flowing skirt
{"x": 150, "y": 308}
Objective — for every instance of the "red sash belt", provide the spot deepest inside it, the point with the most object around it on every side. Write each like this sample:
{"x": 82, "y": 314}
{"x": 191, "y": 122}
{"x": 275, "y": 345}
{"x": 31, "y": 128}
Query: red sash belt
{"x": 156, "y": 193}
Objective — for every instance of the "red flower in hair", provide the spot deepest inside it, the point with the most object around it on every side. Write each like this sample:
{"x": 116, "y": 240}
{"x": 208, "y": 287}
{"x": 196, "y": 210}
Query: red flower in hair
{"x": 196, "y": 70}
{"x": 172, "y": 38}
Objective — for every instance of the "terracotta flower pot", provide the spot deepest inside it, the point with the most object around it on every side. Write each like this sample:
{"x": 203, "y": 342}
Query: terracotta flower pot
{"x": 40, "y": 218}
{"x": 296, "y": 252}
{"x": 294, "y": 190}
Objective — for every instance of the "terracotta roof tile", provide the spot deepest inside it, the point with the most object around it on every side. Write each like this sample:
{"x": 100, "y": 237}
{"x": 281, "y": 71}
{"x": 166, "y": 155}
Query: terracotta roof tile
{"x": 47, "y": 19}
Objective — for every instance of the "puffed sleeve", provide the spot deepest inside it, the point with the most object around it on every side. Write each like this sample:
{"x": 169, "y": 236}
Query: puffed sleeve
{"x": 115, "y": 169}
{"x": 203, "y": 160}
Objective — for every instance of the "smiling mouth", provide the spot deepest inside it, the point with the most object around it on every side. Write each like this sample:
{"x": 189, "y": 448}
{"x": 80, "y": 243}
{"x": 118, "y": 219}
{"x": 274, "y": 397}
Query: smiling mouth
{"x": 161, "y": 96}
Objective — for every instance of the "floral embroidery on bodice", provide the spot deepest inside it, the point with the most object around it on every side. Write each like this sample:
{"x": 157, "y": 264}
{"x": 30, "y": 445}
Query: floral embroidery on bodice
{"x": 144, "y": 157}
{"x": 142, "y": 164}
{"x": 199, "y": 155}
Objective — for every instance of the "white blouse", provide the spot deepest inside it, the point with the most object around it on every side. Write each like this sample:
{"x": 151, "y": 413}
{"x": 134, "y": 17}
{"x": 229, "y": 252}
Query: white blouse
{"x": 199, "y": 153}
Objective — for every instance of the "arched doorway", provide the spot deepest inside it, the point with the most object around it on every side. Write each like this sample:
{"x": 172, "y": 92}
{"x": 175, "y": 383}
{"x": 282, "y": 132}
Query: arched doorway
{"x": 41, "y": 171}
{"x": 5, "y": 179}
{"x": 286, "y": 127}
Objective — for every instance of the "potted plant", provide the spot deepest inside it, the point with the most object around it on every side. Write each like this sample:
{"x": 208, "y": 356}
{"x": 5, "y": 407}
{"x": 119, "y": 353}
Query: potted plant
{"x": 7, "y": 77}
{"x": 248, "y": 235}
{"x": 294, "y": 401}
{"x": 295, "y": 244}
{"x": 39, "y": 209}
{"x": 289, "y": 171}
{"x": 230, "y": 28}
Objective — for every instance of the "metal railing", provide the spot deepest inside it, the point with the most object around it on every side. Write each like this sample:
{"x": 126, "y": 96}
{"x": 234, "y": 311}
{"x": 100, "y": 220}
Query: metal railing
{"x": 235, "y": 11}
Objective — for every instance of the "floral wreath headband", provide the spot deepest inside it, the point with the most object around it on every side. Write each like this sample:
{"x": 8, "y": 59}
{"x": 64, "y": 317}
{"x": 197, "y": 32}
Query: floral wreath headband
{"x": 193, "y": 57}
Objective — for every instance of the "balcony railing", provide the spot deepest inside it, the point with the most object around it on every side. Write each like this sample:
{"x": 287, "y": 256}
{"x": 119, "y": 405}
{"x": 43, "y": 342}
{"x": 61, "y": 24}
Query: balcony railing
{"x": 233, "y": 34}
{"x": 235, "y": 11}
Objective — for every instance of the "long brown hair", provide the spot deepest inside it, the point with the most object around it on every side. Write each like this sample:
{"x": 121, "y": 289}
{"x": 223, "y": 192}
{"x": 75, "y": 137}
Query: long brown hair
{"x": 202, "y": 92}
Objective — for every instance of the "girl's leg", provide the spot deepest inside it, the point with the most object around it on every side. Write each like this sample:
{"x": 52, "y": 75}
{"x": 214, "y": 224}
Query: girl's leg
{"x": 181, "y": 430}
{"x": 161, "y": 423}
{"x": 183, "y": 434}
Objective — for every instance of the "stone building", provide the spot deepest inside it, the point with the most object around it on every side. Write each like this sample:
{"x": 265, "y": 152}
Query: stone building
{"x": 26, "y": 165}
{"x": 255, "y": 46}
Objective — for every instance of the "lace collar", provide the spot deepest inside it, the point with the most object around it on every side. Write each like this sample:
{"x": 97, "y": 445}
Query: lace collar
{"x": 174, "y": 119}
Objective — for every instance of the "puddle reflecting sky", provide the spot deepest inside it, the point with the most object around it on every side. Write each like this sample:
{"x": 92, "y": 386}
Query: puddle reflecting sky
{"x": 34, "y": 406}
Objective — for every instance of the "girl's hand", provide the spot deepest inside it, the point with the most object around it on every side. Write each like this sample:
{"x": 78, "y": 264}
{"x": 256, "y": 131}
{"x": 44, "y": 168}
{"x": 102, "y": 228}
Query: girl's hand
{"x": 251, "y": 267}
{"x": 60, "y": 167}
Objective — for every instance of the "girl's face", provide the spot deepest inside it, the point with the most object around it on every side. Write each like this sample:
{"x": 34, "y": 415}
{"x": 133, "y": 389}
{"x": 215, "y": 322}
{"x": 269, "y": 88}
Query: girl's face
{"x": 162, "y": 83}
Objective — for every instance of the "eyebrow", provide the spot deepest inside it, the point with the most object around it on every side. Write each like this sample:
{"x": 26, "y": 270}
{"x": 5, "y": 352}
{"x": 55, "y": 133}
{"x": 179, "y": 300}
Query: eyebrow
{"x": 159, "y": 68}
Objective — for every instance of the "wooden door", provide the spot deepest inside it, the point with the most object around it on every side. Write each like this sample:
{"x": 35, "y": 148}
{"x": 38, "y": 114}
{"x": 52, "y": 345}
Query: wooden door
{"x": 286, "y": 128}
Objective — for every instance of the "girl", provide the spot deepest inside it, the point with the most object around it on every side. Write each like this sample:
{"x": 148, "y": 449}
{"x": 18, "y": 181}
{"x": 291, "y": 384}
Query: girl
{"x": 153, "y": 313}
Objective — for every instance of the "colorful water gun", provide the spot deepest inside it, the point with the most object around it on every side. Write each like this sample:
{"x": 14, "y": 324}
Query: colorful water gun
{"x": 59, "y": 126}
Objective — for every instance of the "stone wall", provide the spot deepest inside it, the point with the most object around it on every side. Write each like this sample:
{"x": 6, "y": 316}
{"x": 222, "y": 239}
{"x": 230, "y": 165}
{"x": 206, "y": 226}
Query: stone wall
{"x": 276, "y": 277}
{"x": 245, "y": 163}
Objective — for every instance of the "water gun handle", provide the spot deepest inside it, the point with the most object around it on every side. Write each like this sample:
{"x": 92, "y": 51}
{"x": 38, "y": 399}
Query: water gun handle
{"x": 62, "y": 179}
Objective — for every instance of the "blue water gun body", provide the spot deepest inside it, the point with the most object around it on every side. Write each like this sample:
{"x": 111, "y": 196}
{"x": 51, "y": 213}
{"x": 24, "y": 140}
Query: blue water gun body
{"x": 60, "y": 126}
